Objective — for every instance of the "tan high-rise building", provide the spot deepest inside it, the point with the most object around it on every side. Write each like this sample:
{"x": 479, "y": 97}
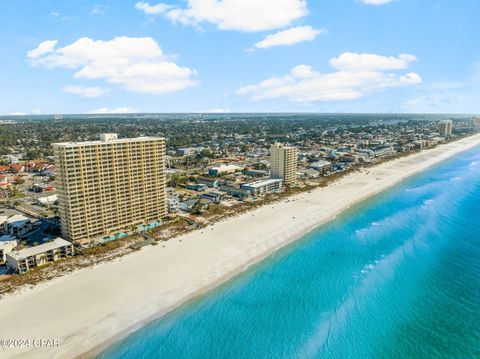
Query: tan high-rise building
{"x": 445, "y": 128}
{"x": 110, "y": 186}
{"x": 475, "y": 123}
{"x": 284, "y": 163}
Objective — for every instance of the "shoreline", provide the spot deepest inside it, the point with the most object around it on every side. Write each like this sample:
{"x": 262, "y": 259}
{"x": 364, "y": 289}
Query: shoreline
{"x": 92, "y": 309}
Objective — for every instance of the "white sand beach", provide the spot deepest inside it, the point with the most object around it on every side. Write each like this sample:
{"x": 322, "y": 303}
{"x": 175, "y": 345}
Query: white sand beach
{"x": 90, "y": 308}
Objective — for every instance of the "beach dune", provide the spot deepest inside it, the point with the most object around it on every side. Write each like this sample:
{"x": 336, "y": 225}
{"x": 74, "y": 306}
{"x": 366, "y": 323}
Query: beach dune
{"x": 89, "y": 309}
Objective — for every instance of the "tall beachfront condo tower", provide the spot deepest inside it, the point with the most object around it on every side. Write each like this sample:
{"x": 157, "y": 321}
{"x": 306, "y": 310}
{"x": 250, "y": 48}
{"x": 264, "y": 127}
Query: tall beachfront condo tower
{"x": 284, "y": 163}
{"x": 445, "y": 128}
{"x": 475, "y": 123}
{"x": 110, "y": 187}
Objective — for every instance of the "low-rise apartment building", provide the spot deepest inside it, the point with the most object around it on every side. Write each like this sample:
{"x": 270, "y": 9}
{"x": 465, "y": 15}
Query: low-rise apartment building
{"x": 26, "y": 259}
{"x": 263, "y": 186}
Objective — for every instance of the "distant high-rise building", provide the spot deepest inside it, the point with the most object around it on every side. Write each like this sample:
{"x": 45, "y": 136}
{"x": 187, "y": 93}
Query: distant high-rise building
{"x": 445, "y": 128}
{"x": 110, "y": 186}
{"x": 475, "y": 123}
{"x": 284, "y": 163}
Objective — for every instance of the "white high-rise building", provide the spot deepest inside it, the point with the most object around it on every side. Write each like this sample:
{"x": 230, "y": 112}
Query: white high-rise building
{"x": 284, "y": 163}
{"x": 110, "y": 186}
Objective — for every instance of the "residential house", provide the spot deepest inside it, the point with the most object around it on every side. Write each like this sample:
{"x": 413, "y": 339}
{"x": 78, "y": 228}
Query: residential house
{"x": 173, "y": 204}
{"x": 209, "y": 182}
{"x": 215, "y": 197}
{"x": 18, "y": 225}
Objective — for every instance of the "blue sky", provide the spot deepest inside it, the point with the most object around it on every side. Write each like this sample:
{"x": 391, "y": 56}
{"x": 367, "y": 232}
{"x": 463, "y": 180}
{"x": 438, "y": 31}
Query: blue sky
{"x": 240, "y": 56}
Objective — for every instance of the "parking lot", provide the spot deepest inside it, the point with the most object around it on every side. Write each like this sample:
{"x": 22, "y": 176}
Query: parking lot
{"x": 40, "y": 232}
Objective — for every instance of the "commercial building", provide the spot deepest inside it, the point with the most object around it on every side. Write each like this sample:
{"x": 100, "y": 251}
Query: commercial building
{"x": 223, "y": 169}
{"x": 445, "y": 128}
{"x": 26, "y": 259}
{"x": 45, "y": 201}
{"x": 106, "y": 187}
{"x": 284, "y": 163}
{"x": 263, "y": 186}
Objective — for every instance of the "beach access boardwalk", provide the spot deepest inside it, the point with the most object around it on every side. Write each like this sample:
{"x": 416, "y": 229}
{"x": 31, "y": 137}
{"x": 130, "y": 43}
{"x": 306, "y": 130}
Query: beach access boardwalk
{"x": 94, "y": 306}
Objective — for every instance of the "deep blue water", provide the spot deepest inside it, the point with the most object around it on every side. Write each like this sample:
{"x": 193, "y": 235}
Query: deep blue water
{"x": 395, "y": 277}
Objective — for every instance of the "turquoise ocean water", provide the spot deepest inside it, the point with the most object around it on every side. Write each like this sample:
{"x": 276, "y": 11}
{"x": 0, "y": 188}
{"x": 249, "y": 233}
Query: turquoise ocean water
{"x": 395, "y": 277}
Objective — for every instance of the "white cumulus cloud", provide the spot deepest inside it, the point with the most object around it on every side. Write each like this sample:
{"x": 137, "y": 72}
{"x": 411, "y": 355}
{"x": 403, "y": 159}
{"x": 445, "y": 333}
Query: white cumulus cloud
{"x": 85, "y": 91}
{"x": 376, "y": 2}
{"x": 353, "y": 61}
{"x": 350, "y": 81}
{"x": 152, "y": 9}
{"x": 290, "y": 36}
{"x": 119, "y": 110}
{"x": 240, "y": 15}
{"x": 99, "y": 9}
{"x": 35, "y": 111}
{"x": 448, "y": 96}
{"x": 18, "y": 113}
{"x": 136, "y": 63}
{"x": 42, "y": 49}
{"x": 217, "y": 110}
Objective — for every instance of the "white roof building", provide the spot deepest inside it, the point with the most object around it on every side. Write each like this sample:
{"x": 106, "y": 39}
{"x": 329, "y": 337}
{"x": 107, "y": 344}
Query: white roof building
{"x": 32, "y": 251}
{"x": 25, "y": 259}
{"x": 263, "y": 186}
{"x": 17, "y": 218}
{"x": 48, "y": 200}
{"x": 17, "y": 225}
{"x": 215, "y": 171}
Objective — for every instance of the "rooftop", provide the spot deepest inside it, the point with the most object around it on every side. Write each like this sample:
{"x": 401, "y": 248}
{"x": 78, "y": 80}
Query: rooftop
{"x": 17, "y": 218}
{"x": 262, "y": 183}
{"x": 8, "y": 244}
{"x": 320, "y": 163}
{"x": 283, "y": 145}
{"x": 107, "y": 142}
{"x": 7, "y": 238}
{"x": 28, "y": 252}
{"x": 226, "y": 167}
